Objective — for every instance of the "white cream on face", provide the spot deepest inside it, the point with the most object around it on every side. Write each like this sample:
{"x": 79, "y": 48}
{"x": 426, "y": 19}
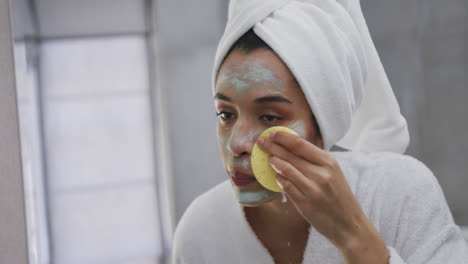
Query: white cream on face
{"x": 234, "y": 79}
{"x": 241, "y": 163}
{"x": 299, "y": 127}
{"x": 248, "y": 74}
{"x": 238, "y": 138}
{"x": 254, "y": 197}
{"x": 244, "y": 140}
{"x": 247, "y": 139}
{"x": 258, "y": 73}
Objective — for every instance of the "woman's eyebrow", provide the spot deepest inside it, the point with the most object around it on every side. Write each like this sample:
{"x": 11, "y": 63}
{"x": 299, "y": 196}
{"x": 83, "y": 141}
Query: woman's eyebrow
{"x": 221, "y": 96}
{"x": 272, "y": 99}
{"x": 261, "y": 100}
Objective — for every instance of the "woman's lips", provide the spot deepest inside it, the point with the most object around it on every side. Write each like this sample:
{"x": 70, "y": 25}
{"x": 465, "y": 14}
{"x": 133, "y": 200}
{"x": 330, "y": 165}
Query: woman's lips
{"x": 240, "y": 179}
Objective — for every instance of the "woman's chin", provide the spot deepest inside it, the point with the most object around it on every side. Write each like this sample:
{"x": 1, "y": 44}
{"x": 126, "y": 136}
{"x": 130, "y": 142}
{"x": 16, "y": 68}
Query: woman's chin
{"x": 254, "y": 204}
{"x": 254, "y": 198}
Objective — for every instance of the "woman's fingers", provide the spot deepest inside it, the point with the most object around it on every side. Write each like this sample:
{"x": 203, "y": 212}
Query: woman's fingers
{"x": 307, "y": 168}
{"x": 292, "y": 180}
{"x": 302, "y": 148}
{"x": 284, "y": 154}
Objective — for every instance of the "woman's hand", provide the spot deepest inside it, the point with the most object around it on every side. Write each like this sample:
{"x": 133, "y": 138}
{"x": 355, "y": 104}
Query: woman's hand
{"x": 312, "y": 179}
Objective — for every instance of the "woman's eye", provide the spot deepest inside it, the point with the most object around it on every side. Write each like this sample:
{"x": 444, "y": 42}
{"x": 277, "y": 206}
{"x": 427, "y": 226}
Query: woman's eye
{"x": 270, "y": 118}
{"x": 225, "y": 115}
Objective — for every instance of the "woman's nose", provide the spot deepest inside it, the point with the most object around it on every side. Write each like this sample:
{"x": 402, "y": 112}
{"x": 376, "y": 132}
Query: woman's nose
{"x": 242, "y": 140}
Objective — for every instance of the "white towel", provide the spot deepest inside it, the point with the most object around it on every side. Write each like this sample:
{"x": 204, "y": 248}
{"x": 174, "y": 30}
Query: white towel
{"x": 327, "y": 46}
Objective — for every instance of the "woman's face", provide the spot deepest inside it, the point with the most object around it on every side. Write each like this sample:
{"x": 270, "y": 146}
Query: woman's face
{"x": 256, "y": 91}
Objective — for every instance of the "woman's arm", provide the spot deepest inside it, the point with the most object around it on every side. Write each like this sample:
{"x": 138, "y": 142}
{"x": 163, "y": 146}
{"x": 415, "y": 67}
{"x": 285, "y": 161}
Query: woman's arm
{"x": 314, "y": 182}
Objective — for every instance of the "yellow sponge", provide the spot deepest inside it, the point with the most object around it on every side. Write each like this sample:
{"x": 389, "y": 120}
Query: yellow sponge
{"x": 262, "y": 170}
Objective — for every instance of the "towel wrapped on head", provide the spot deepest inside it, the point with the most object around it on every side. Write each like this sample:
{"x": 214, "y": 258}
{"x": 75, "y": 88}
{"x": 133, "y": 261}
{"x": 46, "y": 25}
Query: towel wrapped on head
{"x": 327, "y": 46}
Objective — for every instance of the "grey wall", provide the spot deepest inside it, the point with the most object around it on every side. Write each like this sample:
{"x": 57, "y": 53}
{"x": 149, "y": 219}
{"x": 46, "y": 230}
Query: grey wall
{"x": 187, "y": 39}
{"x": 422, "y": 46}
{"x": 13, "y": 245}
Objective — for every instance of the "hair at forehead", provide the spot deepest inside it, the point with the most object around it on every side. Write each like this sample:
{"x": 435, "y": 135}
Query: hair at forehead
{"x": 248, "y": 43}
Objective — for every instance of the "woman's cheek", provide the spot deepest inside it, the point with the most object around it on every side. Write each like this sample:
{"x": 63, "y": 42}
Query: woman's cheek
{"x": 299, "y": 127}
{"x": 252, "y": 135}
{"x": 223, "y": 143}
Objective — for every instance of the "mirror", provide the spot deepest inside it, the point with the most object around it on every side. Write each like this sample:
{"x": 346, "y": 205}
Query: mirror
{"x": 118, "y": 131}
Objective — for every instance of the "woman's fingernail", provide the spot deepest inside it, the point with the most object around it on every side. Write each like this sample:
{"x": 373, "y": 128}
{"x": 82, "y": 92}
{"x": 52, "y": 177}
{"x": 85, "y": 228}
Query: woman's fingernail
{"x": 279, "y": 184}
{"x": 273, "y": 134}
{"x": 276, "y": 169}
{"x": 260, "y": 140}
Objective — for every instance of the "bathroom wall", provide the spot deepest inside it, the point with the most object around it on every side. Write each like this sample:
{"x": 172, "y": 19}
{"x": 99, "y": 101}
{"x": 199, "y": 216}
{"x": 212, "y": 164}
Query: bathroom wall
{"x": 422, "y": 46}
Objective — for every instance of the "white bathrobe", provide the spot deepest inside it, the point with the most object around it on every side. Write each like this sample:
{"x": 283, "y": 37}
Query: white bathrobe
{"x": 398, "y": 193}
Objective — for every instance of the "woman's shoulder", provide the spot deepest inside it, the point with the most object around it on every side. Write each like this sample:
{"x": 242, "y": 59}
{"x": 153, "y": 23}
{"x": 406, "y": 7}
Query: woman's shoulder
{"x": 388, "y": 180}
{"x": 377, "y": 158}
{"x": 387, "y": 167}
{"x": 397, "y": 192}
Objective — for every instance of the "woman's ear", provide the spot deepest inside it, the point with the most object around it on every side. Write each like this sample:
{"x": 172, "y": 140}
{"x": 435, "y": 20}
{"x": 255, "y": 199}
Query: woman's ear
{"x": 318, "y": 139}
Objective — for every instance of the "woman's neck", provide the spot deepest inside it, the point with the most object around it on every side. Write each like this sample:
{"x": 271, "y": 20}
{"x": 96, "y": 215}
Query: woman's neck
{"x": 280, "y": 228}
{"x": 278, "y": 215}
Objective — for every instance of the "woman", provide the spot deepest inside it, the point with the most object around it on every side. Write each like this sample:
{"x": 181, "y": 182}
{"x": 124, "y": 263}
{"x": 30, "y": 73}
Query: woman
{"x": 311, "y": 66}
